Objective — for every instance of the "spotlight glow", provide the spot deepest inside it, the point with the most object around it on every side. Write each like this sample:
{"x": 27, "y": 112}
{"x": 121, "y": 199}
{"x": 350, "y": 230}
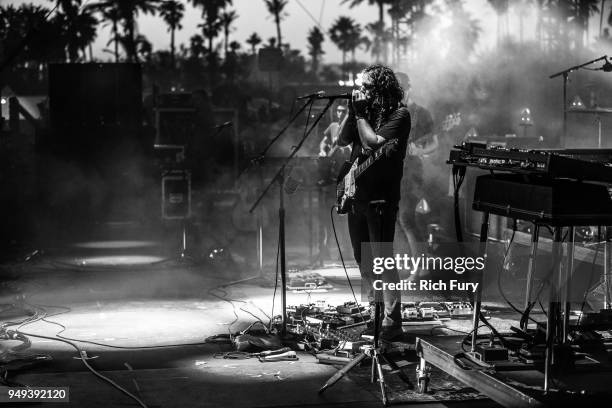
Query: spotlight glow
{"x": 115, "y": 260}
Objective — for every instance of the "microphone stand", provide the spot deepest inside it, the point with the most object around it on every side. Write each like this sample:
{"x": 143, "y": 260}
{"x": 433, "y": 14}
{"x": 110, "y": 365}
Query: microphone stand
{"x": 279, "y": 178}
{"x": 256, "y": 161}
{"x": 565, "y": 74}
{"x": 279, "y": 134}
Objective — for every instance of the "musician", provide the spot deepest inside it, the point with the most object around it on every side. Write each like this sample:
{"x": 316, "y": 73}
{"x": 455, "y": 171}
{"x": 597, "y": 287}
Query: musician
{"x": 376, "y": 116}
{"x": 422, "y": 142}
{"x": 328, "y": 171}
{"x": 330, "y": 134}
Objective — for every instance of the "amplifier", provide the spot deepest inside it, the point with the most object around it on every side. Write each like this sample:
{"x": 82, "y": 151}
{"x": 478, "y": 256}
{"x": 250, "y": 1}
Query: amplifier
{"x": 176, "y": 194}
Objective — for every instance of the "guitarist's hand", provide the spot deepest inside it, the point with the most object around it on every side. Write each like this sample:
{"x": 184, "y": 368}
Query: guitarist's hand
{"x": 360, "y": 103}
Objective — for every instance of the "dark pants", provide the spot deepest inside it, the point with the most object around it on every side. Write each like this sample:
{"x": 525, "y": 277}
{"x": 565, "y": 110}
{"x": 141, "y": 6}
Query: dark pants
{"x": 370, "y": 224}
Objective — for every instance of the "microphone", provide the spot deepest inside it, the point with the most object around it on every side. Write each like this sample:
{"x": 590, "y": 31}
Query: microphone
{"x": 607, "y": 67}
{"x": 346, "y": 95}
{"x": 311, "y": 95}
{"x": 223, "y": 125}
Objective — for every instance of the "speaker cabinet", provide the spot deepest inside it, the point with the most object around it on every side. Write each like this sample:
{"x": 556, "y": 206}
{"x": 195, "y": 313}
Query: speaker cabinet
{"x": 176, "y": 195}
{"x": 93, "y": 107}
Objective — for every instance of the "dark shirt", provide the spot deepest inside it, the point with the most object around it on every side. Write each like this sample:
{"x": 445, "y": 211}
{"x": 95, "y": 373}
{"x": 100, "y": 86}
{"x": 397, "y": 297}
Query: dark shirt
{"x": 424, "y": 122}
{"x": 382, "y": 180}
{"x": 423, "y": 126}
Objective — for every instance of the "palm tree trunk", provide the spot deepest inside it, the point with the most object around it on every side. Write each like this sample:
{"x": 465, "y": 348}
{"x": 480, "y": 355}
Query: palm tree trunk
{"x": 343, "y": 64}
{"x": 116, "y": 41}
{"x": 498, "y": 30}
{"x": 225, "y": 44}
{"x": 395, "y": 26}
{"x": 90, "y": 52}
{"x": 601, "y": 13}
{"x": 278, "y": 30}
{"x": 172, "y": 51}
{"x": 130, "y": 40}
{"x": 211, "y": 62}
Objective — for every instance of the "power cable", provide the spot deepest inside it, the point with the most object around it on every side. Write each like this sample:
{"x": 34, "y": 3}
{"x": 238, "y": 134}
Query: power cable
{"x": 82, "y": 354}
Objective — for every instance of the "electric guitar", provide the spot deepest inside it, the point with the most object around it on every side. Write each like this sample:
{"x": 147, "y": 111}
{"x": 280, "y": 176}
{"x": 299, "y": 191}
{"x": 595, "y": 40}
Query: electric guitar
{"x": 346, "y": 186}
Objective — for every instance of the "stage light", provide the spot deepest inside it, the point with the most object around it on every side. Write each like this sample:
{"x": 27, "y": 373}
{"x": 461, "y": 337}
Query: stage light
{"x": 341, "y": 83}
{"x": 525, "y": 120}
{"x": 358, "y": 81}
{"x": 526, "y": 117}
{"x": 472, "y": 133}
{"x": 216, "y": 253}
{"x": 3, "y": 101}
{"x": 577, "y": 103}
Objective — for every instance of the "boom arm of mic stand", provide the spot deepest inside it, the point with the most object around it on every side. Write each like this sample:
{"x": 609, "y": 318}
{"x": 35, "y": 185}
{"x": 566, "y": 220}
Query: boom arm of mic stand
{"x": 281, "y": 170}
{"x": 283, "y": 130}
{"x": 565, "y": 74}
{"x": 567, "y": 71}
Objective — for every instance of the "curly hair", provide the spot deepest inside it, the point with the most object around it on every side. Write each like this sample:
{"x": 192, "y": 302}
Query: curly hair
{"x": 387, "y": 94}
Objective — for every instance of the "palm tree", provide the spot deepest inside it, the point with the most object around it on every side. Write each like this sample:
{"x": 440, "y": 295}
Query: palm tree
{"x": 379, "y": 3}
{"x": 341, "y": 34}
{"x": 29, "y": 25}
{"x": 78, "y": 27}
{"x": 234, "y": 46}
{"x": 522, "y": 10}
{"x": 196, "y": 45}
{"x": 211, "y": 26}
{"x": 211, "y": 10}
{"x": 356, "y": 40}
{"x": 315, "y": 49}
{"x": 109, "y": 11}
{"x": 381, "y": 20}
{"x": 376, "y": 29}
{"x": 276, "y": 7}
{"x": 172, "y": 12}
{"x": 583, "y": 10}
{"x": 125, "y": 12}
{"x": 254, "y": 40}
{"x": 601, "y": 14}
{"x": 227, "y": 18}
{"x": 129, "y": 10}
{"x": 463, "y": 32}
{"x": 501, "y": 9}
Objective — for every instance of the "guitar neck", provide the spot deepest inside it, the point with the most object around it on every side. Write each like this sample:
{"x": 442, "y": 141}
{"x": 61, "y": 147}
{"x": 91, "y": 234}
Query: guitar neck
{"x": 369, "y": 161}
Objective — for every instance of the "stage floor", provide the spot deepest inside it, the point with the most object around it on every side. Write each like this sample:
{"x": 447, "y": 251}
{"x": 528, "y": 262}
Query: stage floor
{"x": 151, "y": 315}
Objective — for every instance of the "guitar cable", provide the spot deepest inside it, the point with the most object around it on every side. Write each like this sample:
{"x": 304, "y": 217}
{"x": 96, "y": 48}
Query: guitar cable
{"x": 348, "y": 279}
